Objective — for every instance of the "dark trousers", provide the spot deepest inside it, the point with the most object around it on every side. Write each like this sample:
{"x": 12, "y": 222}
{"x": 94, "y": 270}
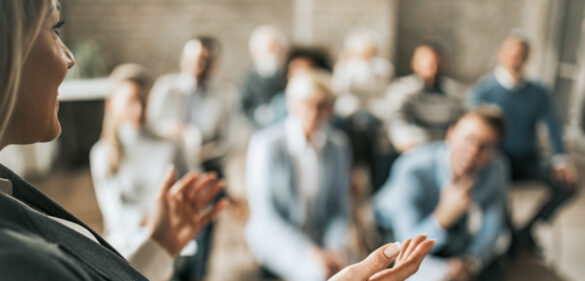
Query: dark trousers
{"x": 533, "y": 168}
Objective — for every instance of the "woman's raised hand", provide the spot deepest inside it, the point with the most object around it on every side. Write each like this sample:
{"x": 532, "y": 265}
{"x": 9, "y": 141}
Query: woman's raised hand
{"x": 407, "y": 258}
{"x": 183, "y": 208}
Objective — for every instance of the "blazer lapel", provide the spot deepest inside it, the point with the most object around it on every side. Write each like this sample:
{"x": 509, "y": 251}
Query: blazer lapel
{"x": 102, "y": 257}
{"x": 97, "y": 256}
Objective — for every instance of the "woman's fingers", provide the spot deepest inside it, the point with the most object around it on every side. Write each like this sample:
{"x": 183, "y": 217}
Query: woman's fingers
{"x": 167, "y": 182}
{"x": 179, "y": 188}
{"x": 205, "y": 181}
{"x": 210, "y": 194}
{"x": 405, "y": 246}
{"x": 408, "y": 267}
{"x": 202, "y": 220}
{"x": 415, "y": 242}
{"x": 378, "y": 260}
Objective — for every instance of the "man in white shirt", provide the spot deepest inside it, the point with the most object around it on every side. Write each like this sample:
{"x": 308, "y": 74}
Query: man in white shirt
{"x": 298, "y": 181}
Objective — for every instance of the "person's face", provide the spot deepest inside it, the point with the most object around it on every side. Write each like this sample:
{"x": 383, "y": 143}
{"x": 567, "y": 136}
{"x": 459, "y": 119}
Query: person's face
{"x": 473, "y": 144}
{"x": 425, "y": 63}
{"x": 513, "y": 54}
{"x": 312, "y": 112}
{"x": 196, "y": 60}
{"x": 299, "y": 65}
{"x": 128, "y": 103}
{"x": 35, "y": 115}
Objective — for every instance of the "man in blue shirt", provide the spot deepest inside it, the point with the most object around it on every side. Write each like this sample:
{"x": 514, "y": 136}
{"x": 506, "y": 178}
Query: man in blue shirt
{"x": 525, "y": 104}
{"x": 454, "y": 191}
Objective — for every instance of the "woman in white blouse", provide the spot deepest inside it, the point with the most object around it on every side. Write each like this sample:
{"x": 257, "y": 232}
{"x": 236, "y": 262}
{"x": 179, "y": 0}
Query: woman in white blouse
{"x": 39, "y": 240}
{"x": 129, "y": 159}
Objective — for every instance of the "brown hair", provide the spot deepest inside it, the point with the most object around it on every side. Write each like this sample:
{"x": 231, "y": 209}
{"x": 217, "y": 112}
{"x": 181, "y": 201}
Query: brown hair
{"x": 124, "y": 73}
{"x": 491, "y": 115}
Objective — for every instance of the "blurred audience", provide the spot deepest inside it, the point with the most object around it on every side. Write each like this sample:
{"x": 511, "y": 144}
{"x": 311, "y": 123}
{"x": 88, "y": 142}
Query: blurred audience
{"x": 361, "y": 73}
{"x": 129, "y": 160}
{"x": 190, "y": 106}
{"x": 267, "y": 47}
{"x": 298, "y": 183}
{"x": 454, "y": 191}
{"x": 420, "y": 107}
{"x": 525, "y": 104}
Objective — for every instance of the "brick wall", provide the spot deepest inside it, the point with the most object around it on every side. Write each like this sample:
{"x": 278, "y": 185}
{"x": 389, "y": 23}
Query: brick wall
{"x": 152, "y": 32}
{"x": 471, "y": 31}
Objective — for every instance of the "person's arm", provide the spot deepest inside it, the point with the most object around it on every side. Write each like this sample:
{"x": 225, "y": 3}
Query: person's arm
{"x": 483, "y": 246}
{"x": 248, "y": 100}
{"x": 551, "y": 117}
{"x": 160, "y": 109}
{"x": 476, "y": 95}
{"x": 404, "y": 133}
{"x": 563, "y": 170}
{"x": 267, "y": 230}
{"x": 398, "y": 205}
{"x": 337, "y": 229}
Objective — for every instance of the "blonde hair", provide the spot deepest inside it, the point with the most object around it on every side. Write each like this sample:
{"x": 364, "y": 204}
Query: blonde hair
{"x": 123, "y": 73}
{"x": 311, "y": 84}
{"x": 20, "y": 24}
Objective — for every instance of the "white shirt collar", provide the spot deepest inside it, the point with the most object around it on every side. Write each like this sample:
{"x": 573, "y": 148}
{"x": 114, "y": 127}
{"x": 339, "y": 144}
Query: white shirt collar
{"x": 297, "y": 142}
{"x": 505, "y": 79}
{"x": 5, "y": 186}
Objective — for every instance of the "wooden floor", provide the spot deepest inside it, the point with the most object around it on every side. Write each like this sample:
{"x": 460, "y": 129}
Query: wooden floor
{"x": 563, "y": 239}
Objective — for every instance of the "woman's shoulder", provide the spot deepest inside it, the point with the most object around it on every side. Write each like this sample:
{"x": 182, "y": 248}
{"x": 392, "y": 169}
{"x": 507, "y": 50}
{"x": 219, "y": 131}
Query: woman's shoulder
{"x": 26, "y": 256}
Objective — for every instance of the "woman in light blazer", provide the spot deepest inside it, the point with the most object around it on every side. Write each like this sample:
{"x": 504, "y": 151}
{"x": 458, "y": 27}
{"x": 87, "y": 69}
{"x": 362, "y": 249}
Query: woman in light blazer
{"x": 39, "y": 240}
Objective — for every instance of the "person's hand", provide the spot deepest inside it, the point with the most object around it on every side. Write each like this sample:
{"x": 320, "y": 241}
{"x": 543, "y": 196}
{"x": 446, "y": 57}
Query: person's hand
{"x": 455, "y": 201}
{"x": 375, "y": 266}
{"x": 184, "y": 208}
{"x": 458, "y": 271}
{"x": 565, "y": 174}
{"x": 331, "y": 261}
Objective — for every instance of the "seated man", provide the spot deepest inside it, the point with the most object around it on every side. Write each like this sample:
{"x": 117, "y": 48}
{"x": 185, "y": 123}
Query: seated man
{"x": 525, "y": 104}
{"x": 298, "y": 181}
{"x": 454, "y": 191}
{"x": 267, "y": 46}
{"x": 420, "y": 107}
{"x": 191, "y": 106}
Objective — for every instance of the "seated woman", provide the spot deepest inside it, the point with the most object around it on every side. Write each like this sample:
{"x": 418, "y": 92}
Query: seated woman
{"x": 129, "y": 159}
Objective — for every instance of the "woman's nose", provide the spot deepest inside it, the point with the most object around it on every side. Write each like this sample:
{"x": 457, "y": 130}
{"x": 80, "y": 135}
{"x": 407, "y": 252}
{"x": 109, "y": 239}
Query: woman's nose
{"x": 69, "y": 57}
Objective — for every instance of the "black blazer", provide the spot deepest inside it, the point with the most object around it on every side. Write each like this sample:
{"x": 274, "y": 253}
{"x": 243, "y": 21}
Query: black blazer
{"x": 36, "y": 247}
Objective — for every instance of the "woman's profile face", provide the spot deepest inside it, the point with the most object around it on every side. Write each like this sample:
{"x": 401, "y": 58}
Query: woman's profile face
{"x": 35, "y": 114}
{"x": 128, "y": 103}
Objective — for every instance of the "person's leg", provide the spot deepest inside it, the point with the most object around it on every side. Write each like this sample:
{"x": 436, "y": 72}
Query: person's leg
{"x": 558, "y": 196}
{"x": 494, "y": 271}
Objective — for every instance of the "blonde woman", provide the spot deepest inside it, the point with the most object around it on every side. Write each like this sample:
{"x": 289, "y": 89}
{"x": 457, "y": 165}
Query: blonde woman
{"x": 39, "y": 240}
{"x": 128, "y": 160}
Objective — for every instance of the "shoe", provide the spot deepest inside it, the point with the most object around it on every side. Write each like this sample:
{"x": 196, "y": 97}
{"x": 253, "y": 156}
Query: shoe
{"x": 523, "y": 242}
